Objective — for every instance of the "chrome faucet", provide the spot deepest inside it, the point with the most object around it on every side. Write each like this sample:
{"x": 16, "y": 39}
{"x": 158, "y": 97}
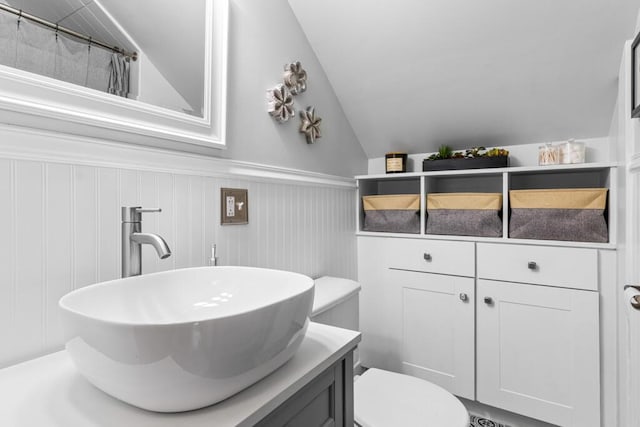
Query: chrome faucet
{"x": 133, "y": 239}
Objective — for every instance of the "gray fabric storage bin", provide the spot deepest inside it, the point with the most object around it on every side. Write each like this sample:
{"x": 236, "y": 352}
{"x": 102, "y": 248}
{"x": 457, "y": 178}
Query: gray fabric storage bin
{"x": 395, "y": 213}
{"x": 574, "y": 214}
{"x": 464, "y": 214}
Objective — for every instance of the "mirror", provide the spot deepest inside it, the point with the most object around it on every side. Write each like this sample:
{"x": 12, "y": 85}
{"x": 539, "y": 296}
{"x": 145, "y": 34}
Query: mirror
{"x": 175, "y": 56}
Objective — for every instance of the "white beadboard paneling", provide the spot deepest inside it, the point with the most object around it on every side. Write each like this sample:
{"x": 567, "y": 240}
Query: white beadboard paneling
{"x": 181, "y": 222}
{"x": 59, "y": 250}
{"x": 85, "y": 216}
{"x": 196, "y": 222}
{"x": 128, "y": 187}
{"x": 29, "y": 259}
{"x": 109, "y": 225}
{"x": 210, "y": 216}
{"x": 7, "y": 262}
{"x": 60, "y": 230}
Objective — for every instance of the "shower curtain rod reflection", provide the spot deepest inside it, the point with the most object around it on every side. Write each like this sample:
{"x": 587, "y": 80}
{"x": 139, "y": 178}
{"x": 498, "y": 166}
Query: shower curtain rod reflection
{"x": 56, "y": 27}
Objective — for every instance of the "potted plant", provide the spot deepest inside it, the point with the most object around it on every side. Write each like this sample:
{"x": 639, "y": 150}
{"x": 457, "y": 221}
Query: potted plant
{"x": 474, "y": 158}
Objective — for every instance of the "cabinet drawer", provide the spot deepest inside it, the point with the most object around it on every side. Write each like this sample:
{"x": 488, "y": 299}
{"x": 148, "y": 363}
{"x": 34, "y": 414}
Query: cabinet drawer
{"x": 432, "y": 256}
{"x": 575, "y": 268}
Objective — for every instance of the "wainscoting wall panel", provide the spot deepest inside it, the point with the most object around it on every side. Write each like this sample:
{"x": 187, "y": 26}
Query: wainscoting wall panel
{"x": 60, "y": 230}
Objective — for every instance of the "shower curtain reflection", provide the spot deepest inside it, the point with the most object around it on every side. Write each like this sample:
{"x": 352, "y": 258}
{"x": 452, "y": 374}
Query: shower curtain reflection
{"x": 30, "y": 47}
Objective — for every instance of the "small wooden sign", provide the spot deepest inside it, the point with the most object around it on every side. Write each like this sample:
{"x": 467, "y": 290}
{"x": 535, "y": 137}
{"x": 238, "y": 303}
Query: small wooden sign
{"x": 234, "y": 206}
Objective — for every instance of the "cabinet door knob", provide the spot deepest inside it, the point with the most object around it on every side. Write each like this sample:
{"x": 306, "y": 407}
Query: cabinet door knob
{"x": 488, "y": 300}
{"x": 464, "y": 297}
{"x": 427, "y": 257}
{"x": 532, "y": 265}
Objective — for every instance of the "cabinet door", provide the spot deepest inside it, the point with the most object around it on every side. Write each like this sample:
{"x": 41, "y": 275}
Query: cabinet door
{"x": 538, "y": 352}
{"x": 327, "y": 401}
{"x": 437, "y": 329}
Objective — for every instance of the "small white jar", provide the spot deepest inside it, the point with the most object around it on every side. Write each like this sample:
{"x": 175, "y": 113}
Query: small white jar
{"x": 572, "y": 152}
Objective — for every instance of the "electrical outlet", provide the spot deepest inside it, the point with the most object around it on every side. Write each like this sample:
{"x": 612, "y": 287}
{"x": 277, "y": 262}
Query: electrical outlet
{"x": 231, "y": 206}
{"x": 234, "y": 206}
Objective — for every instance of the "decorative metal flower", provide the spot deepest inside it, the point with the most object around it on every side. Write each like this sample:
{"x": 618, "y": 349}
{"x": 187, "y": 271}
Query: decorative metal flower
{"x": 280, "y": 103}
{"x": 295, "y": 78}
{"x": 310, "y": 125}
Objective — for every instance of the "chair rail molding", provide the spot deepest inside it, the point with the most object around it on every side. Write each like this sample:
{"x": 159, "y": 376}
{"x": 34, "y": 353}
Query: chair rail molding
{"x": 20, "y": 143}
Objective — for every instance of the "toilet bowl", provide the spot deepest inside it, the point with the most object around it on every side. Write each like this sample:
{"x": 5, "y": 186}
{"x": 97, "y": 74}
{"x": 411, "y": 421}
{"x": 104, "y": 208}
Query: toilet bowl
{"x": 383, "y": 398}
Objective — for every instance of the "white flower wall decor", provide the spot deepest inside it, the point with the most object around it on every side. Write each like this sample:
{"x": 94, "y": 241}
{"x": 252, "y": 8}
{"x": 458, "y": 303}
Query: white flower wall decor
{"x": 310, "y": 125}
{"x": 280, "y": 103}
{"x": 295, "y": 78}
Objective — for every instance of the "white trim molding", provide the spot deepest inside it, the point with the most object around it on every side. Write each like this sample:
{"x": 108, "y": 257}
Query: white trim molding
{"x": 31, "y": 100}
{"x": 18, "y": 143}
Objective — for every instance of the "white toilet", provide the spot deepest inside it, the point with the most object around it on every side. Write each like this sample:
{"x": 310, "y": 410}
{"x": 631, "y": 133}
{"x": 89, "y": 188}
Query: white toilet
{"x": 383, "y": 398}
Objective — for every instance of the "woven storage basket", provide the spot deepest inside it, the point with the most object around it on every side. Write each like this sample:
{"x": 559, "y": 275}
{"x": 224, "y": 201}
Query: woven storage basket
{"x": 464, "y": 214}
{"x": 395, "y": 213}
{"x": 573, "y": 214}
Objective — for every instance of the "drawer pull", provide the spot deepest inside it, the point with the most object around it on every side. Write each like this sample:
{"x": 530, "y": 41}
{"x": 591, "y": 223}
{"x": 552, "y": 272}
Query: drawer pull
{"x": 532, "y": 265}
{"x": 488, "y": 300}
{"x": 464, "y": 297}
{"x": 427, "y": 257}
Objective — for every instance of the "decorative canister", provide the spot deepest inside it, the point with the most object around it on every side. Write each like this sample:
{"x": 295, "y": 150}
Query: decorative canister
{"x": 548, "y": 155}
{"x": 395, "y": 162}
{"x": 572, "y": 152}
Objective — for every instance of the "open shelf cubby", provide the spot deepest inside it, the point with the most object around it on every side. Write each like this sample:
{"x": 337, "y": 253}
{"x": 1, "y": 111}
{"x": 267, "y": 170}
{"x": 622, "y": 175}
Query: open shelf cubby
{"x": 497, "y": 180}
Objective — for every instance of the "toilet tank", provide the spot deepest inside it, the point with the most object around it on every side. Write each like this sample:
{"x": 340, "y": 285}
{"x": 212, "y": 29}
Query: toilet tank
{"x": 336, "y": 302}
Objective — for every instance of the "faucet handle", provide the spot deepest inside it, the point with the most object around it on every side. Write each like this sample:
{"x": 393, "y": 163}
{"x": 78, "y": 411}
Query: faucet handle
{"x": 147, "y": 210}
{"x": 134, "y": 213}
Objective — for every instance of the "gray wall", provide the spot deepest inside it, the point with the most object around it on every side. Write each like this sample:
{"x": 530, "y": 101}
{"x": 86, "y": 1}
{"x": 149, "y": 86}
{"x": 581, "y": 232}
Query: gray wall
{"x": 264, "y": 36}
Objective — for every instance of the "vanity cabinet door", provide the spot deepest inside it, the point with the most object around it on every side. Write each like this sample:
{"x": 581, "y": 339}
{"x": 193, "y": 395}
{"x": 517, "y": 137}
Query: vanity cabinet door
{"x": 418, "y": 323}
{"x": 538, "y": 351}
{"x": 437, "y": 322}
{"x": 326, "y": 401}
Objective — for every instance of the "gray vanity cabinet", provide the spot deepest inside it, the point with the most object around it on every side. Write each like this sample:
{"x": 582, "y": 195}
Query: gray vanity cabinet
{"x": 327, "y": 401}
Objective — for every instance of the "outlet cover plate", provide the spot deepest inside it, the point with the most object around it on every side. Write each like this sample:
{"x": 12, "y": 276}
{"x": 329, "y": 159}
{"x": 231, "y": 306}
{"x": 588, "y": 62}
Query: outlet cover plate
{"x": 234, "y": 206}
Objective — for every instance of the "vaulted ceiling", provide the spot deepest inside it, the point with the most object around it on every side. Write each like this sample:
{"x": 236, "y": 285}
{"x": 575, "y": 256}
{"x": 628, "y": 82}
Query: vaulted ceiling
{"x": 414, "y": 74}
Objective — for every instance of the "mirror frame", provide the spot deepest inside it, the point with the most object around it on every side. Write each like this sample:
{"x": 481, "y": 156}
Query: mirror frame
{"x": 35, "y": 101}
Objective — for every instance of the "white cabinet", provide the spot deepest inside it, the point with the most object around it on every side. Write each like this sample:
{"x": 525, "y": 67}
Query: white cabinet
{"x": 415, "y": 322}
{"x": 437, "y": 329}
{"x": 538, "y": 351}
{"x": 533, "y": 348}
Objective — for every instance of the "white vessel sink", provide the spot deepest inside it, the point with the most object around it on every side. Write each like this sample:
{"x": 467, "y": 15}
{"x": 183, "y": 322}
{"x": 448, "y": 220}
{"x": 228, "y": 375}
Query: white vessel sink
{"x": 185, "y": 339}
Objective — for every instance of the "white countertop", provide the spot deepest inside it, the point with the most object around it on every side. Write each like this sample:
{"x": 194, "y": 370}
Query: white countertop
{"x": 48, "y": 391}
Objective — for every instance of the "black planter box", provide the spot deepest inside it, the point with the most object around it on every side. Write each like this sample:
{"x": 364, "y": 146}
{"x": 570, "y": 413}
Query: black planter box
{"x": 465, "y": 163}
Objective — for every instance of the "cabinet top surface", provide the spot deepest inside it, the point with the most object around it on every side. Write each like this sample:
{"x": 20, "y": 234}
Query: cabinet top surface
{"x": 494, "y": 171}
{"x": 49, "y": 391}
{"x": 500, "y": 240}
